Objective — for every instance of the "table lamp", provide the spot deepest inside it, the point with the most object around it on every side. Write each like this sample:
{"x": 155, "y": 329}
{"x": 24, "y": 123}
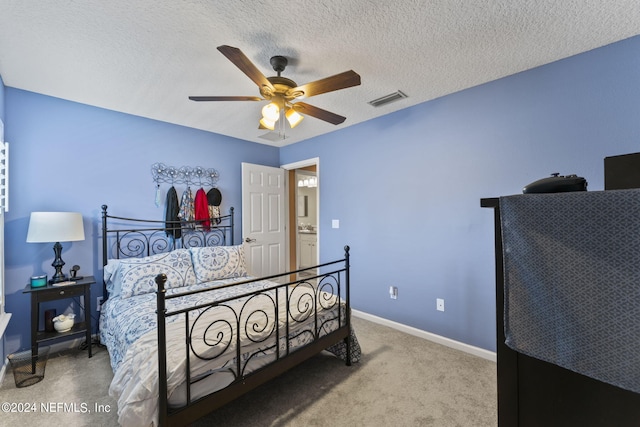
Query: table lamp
{"x": 47, "y": 227}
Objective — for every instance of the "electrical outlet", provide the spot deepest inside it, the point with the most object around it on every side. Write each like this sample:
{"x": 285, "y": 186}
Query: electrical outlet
{"x": 393, "y": 292}
{"x": 439, "y": 304}
{"x": 99, "y": 303}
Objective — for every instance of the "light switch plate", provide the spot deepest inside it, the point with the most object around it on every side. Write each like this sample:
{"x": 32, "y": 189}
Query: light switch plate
{"x": 335, "y": 223}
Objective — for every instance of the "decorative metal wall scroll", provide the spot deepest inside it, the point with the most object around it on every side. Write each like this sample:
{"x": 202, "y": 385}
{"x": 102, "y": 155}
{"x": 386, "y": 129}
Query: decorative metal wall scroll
{"x": 184, "y": 175}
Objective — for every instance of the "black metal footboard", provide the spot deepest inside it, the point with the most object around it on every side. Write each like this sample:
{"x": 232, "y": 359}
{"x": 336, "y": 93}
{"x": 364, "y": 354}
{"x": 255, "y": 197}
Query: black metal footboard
{"x": 266, "y": 327}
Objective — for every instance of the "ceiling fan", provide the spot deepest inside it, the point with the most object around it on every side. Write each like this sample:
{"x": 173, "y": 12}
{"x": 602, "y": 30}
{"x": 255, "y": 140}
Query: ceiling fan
{"x": 282, "y": 91}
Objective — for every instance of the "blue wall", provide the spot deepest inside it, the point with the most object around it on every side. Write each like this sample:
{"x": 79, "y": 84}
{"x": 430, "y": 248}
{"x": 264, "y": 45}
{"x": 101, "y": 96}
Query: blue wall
{"x": 71, "y": 157}
{"x": 406, "y": 187}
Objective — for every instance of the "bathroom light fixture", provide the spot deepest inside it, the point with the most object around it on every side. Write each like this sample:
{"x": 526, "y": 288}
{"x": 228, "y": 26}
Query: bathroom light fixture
{"x": 310, "y": 182}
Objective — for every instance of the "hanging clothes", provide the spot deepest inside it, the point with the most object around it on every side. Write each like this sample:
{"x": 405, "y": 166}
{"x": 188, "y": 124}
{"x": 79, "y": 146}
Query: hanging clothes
{"x": 201, "y": 209}
{"x": 157, "y": 199}
{"x": 187, "y": 213}
{"x": 171, "y": 217}
{"x": 214, "y": 199}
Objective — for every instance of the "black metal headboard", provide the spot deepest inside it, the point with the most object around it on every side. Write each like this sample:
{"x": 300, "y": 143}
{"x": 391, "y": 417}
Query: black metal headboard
{"x": 136, "y": 238}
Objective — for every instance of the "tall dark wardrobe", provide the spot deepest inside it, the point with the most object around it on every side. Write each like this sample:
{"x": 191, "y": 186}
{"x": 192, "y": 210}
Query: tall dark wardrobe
{"x": 535, "y": 393}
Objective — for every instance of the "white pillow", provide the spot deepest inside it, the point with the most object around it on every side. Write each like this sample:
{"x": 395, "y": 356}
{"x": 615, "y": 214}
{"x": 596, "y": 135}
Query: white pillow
{"x": 218, "y": 262}
{"x": 112, "y": 277}
{"x": 138, "y": 274}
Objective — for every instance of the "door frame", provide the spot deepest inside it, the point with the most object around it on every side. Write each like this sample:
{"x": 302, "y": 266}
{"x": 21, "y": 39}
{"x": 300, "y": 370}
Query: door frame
{"x": 315, "y": 161}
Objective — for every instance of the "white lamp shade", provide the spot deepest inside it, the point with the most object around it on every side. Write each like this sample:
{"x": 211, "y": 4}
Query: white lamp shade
{"x": 293, "y": 117}
{"x": 268, "y": 123}
{"x": 271, "y": 112}
{"x": 55, "y": 227}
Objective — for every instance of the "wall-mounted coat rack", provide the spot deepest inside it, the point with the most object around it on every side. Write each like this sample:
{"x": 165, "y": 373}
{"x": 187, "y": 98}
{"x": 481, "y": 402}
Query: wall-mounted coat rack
{"x": 184, "y": 175}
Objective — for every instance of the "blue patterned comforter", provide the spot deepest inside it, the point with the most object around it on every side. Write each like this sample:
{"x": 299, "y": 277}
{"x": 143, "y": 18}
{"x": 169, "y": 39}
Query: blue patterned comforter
{"x": 128, "y": 329}
{"x": 124, "y": 320}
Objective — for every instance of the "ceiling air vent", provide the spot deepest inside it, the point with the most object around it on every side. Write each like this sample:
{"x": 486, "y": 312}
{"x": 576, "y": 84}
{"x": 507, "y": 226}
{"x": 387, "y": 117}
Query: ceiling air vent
{"x": 387, "y": 99}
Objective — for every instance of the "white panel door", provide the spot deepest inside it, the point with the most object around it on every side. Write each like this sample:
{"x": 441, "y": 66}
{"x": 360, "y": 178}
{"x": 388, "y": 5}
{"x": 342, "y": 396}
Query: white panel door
{"x": 263, "y": 219}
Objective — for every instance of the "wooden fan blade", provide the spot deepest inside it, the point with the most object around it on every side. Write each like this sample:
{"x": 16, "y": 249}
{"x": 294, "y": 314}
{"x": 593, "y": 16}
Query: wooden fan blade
{"x": 240, "y": 60}
{"x": 329, "y": 84}
{"x": 318, "y": 113}
{"x": 225, "y": 98}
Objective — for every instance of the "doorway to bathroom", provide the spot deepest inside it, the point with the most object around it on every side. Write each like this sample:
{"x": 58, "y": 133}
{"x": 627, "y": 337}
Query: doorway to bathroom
{"x": 304, "y": 211}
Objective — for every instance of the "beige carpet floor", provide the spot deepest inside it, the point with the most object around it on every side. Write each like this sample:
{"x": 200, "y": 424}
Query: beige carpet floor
{"x": 402, "y": 380}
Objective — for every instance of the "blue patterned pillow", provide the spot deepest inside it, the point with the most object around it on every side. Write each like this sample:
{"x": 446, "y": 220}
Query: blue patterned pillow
{"x": 111, "y": 275}
{"x": 138, "y": 274}
{"x": 218, "y": 262}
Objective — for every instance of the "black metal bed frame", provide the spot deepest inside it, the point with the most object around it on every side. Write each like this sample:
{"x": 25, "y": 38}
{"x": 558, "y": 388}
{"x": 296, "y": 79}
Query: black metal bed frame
{"x": 134, "y": 238}
{"x": 305, "y": 289}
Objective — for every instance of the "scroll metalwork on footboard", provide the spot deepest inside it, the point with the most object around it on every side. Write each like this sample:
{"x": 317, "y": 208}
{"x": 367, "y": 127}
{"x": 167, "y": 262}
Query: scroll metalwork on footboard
{"x": 237, "y": 336}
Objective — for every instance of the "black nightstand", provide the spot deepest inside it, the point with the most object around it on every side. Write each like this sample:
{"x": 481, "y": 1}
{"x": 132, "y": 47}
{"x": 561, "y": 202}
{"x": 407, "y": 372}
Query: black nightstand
{"x": 82, "y": 287}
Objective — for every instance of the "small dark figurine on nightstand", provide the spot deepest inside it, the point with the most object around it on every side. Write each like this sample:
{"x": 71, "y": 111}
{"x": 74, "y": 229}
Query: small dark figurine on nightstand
{"x": 73, "y": 273}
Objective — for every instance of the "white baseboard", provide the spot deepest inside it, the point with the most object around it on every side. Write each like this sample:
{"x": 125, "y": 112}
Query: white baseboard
{"x": 3, "y": 370}
{"x": 476, "y": 351}
{"x": 68, "y": 344}
{"x": 61, "y": 346}
{"x": 4, "y": 322}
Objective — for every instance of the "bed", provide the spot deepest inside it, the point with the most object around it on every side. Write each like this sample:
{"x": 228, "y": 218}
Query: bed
{"x": 188, "y": 330}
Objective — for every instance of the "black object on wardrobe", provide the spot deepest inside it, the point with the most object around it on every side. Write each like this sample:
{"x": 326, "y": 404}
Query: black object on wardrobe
{"x": 622, "y": 172}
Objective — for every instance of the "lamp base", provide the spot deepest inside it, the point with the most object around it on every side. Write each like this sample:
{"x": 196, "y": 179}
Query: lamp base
{"x": 58, "y": 263}
{"x": 58, "y": 278}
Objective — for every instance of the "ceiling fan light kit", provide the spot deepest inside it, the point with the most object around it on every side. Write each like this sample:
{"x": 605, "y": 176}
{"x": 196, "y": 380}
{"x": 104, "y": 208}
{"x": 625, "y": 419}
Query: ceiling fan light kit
{"x": 281, "y": 91}
{"x": 293, "y": 117}
{"x": 271, "y": 111}
{"x": 267, "y": 124}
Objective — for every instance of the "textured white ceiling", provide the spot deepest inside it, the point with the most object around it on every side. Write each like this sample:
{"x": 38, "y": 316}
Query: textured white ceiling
{"x": 145, "y": 57}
